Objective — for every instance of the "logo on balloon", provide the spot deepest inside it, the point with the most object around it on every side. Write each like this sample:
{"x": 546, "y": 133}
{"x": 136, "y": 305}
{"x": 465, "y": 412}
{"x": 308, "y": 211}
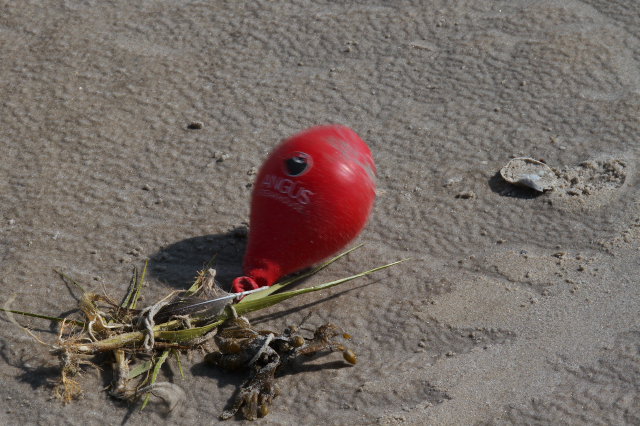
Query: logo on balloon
{"x": 284, "y": 190}
{"x": 297, "y": 164}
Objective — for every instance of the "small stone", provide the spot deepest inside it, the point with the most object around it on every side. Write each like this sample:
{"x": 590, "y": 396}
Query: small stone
{"x": 195, "y": 125}
{"x": 147, "y": 187}
{"x": 451, "y": 181}
{"x": 12, "y": 221}
{"x": 501, "y": 241}
{"x": 466, "y": 195}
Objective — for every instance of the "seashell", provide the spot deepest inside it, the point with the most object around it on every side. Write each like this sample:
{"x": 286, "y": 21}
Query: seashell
{"x": 530, "y": 173}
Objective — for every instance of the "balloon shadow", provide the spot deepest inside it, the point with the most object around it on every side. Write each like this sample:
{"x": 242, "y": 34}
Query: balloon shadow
{"x": 178, "y": 263}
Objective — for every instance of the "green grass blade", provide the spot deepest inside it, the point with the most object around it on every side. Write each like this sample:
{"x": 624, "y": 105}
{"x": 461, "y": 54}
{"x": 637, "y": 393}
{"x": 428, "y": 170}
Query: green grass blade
{"x": 244, "y": 307}
{"x": 177, "y": 355}
{"x": 29, "y": 314}
{"x": 142, "y": 368}
{"x": 70, "y": 279}
{"x": 132, "y": 286}
{"x": 134, "y": 299}
{"x": 154, "y": 375}
{"x": 168, "y": 332}
{"x": 278, "y": 286}
{"x": 189, "y": 333}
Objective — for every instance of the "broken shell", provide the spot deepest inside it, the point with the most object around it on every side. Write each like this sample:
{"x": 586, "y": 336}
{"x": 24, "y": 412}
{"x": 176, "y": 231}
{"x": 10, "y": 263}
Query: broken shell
{"x": 529, "y": 172}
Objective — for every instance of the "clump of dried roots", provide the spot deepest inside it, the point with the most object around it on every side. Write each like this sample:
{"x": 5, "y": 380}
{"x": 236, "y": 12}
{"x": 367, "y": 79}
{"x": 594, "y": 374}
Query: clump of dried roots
{"x": 127, "y": 333}
{"x": 182, "y": 320}
{"x": 263, "y": 353}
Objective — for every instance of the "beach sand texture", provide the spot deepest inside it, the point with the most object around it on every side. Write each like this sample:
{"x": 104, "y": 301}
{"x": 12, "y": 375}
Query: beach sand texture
{"x": 518, "y": 308}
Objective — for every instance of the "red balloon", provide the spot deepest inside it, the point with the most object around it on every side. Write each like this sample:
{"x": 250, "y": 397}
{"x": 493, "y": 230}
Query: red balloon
{"x": 312, "y": 196}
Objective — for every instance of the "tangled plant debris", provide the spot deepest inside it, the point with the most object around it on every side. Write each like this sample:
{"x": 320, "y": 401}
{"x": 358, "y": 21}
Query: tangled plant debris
{"x": 183, "y": 321}
{"x": 264, "y": 352}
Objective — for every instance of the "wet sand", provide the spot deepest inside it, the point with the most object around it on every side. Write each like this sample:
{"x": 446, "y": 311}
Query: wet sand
{"x": 517, "y": 308}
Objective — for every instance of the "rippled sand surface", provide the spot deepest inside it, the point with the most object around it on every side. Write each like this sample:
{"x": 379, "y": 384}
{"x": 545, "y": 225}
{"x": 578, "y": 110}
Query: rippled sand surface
{"x": 517, "y": 308}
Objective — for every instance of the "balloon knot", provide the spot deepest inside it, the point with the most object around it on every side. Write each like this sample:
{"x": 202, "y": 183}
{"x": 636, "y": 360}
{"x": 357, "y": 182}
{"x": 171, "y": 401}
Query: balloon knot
{"x": 241, "y": 284}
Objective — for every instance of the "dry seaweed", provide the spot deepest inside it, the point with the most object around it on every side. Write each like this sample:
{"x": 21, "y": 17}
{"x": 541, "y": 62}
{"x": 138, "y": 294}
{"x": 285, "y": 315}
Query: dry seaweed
{"x": 183, "y": 320}
{"x": 264, "y": 353}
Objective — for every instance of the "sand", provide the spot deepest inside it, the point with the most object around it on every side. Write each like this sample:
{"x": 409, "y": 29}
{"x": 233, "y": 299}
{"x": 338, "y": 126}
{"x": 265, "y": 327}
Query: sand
{"x": 517, "y": 308}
